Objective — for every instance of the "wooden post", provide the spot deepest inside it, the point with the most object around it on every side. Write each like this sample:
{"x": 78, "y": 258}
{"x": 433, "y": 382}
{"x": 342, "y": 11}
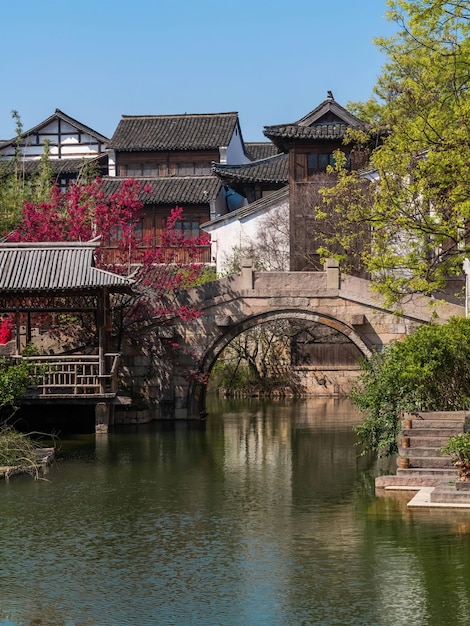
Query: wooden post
{"x": 17, "y": 325}
{"x": 101, "y": 321}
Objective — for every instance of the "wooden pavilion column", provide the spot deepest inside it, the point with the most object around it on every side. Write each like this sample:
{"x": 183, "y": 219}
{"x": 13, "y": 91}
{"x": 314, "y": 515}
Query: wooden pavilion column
{"x": 103, "y": 410}
{"x": 102, "y": 302}
{"x": 17, "y": 327}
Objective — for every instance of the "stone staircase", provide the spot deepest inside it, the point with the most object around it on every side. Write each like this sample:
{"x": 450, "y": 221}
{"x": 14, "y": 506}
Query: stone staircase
{"x": 424, "y": 434}
{"x": 419, "y": 462}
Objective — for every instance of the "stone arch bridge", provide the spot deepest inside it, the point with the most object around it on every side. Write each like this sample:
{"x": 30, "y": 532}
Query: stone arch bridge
{"x": 234, "y": 304}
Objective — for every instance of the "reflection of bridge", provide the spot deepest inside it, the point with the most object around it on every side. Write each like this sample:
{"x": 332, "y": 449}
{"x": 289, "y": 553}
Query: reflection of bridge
{"x": 237, "y": 303}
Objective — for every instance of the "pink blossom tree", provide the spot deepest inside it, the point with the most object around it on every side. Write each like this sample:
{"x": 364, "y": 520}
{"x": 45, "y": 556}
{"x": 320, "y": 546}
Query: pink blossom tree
{"x": 84, "y": 212}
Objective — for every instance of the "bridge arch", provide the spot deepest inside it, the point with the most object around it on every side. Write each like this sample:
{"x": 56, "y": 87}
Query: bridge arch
{"x": 197, "y": 390}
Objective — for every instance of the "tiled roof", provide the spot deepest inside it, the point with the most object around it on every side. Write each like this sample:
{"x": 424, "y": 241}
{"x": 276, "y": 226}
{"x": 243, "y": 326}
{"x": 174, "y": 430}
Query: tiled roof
{"x": 172, "y": 190}
{"x": 260, "y": 150}
{"x": 66, "y": 118}
{"x": 320, "y": 132}
{"x": 280, "y": 195}
{"x": 206, "y": 131}
{"x": 50, "y": 266}
{"x": 58, "y": 166}
{"x": 274, "y": 169}
{"x": 328, "y": 121}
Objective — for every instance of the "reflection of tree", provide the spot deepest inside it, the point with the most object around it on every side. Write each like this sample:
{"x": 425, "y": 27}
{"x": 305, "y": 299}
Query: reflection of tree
{"x": 427, "y": 561}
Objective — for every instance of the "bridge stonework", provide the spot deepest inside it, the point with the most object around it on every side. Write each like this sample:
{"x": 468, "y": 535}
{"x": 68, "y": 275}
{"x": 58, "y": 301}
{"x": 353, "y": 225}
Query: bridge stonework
{"x": 234, "y": 304}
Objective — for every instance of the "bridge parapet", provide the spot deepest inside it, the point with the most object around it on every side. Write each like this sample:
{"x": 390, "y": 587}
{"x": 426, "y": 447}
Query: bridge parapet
{"x": 236, "y": 303}
{"x": 418, "y": 307}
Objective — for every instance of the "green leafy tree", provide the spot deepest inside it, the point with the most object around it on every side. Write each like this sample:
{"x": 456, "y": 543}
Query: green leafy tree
{"x": 18, "y": 185}
{"x": 427, "y": 371}
{"x": 257, "y": 361}
{"x": 418, "y": 211}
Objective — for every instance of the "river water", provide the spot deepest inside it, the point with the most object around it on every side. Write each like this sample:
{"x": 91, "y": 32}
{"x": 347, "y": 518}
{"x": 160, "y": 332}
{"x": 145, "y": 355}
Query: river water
{"x": 262, "y": 515}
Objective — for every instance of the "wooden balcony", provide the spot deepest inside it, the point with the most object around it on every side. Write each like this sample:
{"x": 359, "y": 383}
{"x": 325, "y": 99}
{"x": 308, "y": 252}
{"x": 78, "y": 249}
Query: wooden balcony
{"x": 181, "y": 256}
{"x": 75, "y": 377}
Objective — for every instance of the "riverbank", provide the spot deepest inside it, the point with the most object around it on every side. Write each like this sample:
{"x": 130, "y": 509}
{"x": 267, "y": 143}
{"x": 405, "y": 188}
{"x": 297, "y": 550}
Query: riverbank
{"x": 44, "y": 457}
{"x": 436, "y": 488}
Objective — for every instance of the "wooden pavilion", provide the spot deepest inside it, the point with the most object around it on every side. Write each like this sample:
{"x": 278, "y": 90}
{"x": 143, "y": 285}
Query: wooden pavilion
{"x": 40, "y": 282}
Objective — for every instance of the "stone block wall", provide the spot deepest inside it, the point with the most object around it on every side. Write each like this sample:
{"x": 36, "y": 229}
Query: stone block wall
{"x": 332, "y": 381}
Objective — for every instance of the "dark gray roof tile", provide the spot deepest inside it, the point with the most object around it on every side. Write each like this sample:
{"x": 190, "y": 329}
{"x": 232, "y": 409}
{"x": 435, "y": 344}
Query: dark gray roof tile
{"x": 318, "y": 132}
{"x": 281, "y": 195}
{"x": 260, "y": 150}
{"x": 47, "y": 266}
{"x": 274, "y": 169}
{"x": 328, "y": 121}
{"x": 58, "y": 166}
{"x": 172, "y": 190}
{"x": 206, "y": 131}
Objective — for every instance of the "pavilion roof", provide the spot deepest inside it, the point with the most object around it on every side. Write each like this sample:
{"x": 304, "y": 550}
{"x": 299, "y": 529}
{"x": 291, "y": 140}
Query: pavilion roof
{"x": 55, "y": 266}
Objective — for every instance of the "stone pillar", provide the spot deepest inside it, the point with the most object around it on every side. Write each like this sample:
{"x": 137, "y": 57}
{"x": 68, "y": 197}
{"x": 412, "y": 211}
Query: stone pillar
{"x": 332, "y": 274}
{"x": 101, "y": 418}
{"x": 248, "y": 274}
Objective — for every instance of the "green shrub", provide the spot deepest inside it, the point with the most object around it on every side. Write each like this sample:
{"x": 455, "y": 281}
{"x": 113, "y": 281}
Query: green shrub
{"x": 458, "y": 447}
{"x": 15, "y": 378}
{"x": 427, "y": 371}
{"x": 16, "y": 448}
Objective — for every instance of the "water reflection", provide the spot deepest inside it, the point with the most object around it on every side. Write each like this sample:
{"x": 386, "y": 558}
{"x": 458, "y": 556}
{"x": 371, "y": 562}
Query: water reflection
{"x": 262, "y": 515}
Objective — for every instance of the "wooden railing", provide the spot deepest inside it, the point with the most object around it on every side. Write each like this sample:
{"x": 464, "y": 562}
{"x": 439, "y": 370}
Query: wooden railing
{"x": 199, "y": 254}
{"x": 74, "y": 376}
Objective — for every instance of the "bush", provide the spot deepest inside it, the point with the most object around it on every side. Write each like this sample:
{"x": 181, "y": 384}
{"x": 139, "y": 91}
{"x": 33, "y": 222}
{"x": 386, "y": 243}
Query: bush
{"x": 16, "y": 448}
{"x": 15, "y": 378}
{"x": 427, "y": 371}
{"x": 458, "y": 447}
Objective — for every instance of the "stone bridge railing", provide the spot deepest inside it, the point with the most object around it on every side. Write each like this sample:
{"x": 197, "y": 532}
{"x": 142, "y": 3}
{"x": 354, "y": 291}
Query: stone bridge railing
{"x": 237, "y": 303}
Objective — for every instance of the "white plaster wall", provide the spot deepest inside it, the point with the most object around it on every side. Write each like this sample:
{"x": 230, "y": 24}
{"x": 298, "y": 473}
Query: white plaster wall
{"x": 233, "y": 231}
{"x": 235, "y": 149}
{"x": 70, "y": 146}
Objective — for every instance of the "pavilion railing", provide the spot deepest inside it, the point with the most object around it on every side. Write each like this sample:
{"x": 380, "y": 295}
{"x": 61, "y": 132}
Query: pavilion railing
{"x": 74, "y": 375}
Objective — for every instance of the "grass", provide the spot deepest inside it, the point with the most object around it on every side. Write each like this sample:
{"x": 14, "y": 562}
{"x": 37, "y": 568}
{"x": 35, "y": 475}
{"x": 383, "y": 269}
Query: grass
{"x": 17, "y": 450}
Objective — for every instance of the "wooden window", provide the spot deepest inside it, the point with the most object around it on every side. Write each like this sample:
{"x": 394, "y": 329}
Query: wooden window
{"x": 189, "y": 228}
{"x": 133, "y": 170}
{"x": 151, "y": 169}
{"x": 318, "y": 162}
{"x": 202, "y": 169}
{"x": 116, "y": 233}
{"x": 185, "y": 169}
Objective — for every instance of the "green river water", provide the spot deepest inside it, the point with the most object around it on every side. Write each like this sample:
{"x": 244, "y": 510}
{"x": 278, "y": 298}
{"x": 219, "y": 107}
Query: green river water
{"x": 262, "y": 515}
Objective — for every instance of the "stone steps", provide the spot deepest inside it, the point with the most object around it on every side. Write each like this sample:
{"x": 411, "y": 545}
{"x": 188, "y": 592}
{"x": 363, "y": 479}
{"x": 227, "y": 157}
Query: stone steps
{"x": 448, "y": 493}
{"x": 439, "y": 462}
{"x": 460, "y": 416}
{"x": 422, "y": 451}
{"x": 424, "y": 434}
{"x": 433, "y": 425}
{"x": 440, "y": 472}
{"x": 441, "y": 433}
{"x": 428, "y": 441}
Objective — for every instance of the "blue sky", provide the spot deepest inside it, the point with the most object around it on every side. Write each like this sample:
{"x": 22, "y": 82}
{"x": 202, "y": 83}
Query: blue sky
{"x": 272, "y": 62}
